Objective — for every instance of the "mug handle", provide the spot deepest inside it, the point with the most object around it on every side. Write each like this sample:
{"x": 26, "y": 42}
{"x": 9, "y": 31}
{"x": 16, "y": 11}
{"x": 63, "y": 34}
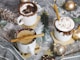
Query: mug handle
{"x": 19, "y": 20}
{"x": 39, "y": 8}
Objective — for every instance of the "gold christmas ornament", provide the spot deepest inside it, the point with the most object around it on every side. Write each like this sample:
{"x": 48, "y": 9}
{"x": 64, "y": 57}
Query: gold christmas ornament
{"x": 59, "y": 49}
{"x": 76, "y": 34}
{"x": 70, "y": 5}
{"x": 25, "y": 1}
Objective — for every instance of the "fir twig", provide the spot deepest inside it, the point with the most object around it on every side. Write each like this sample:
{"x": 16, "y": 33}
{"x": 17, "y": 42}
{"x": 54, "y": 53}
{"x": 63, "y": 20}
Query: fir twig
{"x": 44, "y": 19}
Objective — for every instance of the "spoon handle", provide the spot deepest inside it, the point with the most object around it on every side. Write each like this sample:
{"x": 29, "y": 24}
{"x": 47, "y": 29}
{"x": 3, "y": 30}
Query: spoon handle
{"x": 56, "y": 10}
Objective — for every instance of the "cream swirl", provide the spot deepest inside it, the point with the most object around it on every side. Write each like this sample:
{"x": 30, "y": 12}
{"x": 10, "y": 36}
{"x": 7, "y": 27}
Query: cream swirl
{"x": 28, "y": 9}
{"x": 65, "y": 24}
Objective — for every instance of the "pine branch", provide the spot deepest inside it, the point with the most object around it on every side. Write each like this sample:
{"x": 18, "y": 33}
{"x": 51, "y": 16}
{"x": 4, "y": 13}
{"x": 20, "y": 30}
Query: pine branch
{"x": 44, "y": 19}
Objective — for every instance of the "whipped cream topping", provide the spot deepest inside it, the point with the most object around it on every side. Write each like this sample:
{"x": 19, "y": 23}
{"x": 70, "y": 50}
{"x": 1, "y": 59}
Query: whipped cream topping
{"x": 64, "y": 24}
{"x": 28, "y": 9}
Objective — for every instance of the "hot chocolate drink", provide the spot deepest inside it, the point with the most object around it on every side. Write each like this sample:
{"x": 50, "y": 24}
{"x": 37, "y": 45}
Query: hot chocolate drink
{"x": 28, "y": 9}
{"x": 26, "y": 45}
{"x": 63, "y": 28}
{"x": 28, "y": 14}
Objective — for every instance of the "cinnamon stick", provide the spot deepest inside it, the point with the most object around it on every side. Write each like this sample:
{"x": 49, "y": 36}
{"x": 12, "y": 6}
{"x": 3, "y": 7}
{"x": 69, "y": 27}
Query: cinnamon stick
{"x": 27, "y": 37}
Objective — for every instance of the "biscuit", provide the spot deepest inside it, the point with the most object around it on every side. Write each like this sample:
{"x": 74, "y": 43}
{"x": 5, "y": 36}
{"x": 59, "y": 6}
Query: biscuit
{"x": 25, "y": 33}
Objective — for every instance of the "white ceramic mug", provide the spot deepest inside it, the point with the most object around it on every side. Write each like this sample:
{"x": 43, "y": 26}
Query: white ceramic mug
{"x": 61, "y": 37}
{"x": 28, "y": 20}
{"x": 26, "y": 45}
{"x": 63, "y": 29}
{"x": 27, "y": 48}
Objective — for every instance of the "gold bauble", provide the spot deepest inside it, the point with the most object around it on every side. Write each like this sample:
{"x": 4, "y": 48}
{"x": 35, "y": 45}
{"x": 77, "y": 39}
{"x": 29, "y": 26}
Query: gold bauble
{"x": 76, "y": 34}
{"x": 59, "y": 49}
{"x": 25, "y": 1}
{"x": 70, "y": 5}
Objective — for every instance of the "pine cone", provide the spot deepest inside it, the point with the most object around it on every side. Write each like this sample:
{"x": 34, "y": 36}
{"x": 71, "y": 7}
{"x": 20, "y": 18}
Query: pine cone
{"x": 8, "y": 15}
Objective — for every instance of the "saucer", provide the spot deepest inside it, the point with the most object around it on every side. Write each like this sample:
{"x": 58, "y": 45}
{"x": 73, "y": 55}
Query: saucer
{"x": 62, "y": 42}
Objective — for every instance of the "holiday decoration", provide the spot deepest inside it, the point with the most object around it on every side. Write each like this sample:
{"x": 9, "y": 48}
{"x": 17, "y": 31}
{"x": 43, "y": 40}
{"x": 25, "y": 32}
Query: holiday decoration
{"x": 49, "y": 52}
{"x": 25, "y": 1}
{"x": 59, "y": 49}
{"x": 76, "y": 34}
{"x": 7, "y": 15}
{"x": 47, "y": 57}
{"x": 44, "y": 19}
{"x": 70, "y": 5}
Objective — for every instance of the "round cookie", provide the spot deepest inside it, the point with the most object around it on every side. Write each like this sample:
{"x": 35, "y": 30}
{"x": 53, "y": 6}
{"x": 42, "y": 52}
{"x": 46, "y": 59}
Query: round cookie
{"x": 25, "y": 33}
